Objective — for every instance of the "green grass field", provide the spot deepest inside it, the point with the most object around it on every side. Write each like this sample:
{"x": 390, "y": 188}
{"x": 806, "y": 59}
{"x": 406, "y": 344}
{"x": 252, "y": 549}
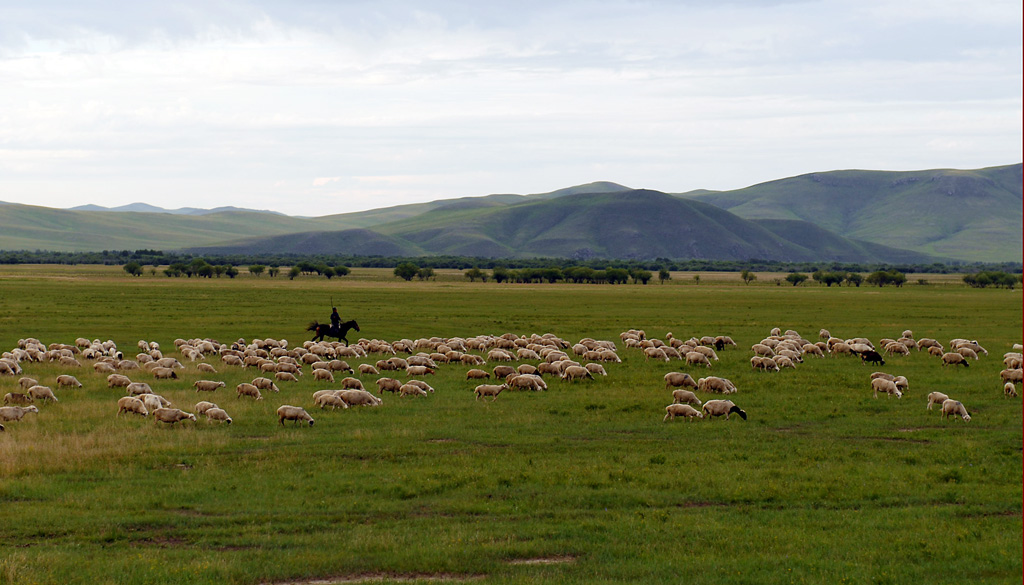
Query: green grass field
{"x": 583, "y": 483}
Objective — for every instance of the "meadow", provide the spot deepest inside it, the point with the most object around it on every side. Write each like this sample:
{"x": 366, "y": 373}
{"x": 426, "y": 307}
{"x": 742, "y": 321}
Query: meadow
{"x": 583, "y": 483}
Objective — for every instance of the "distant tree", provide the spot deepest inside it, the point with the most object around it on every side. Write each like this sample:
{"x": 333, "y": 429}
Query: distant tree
{"x": 474, "y": 273}
{"x": 219, "y": 269}
{"x": 827, "y": 278}
{"x": 231, "y": 271}
{"x": 748, "y": 276}
{"x": 882, "y": 277}
{"x": 406, "y": 270}
{"x": 341, "y": 270}
{"x": 696, "y": 279}
{"x": 152, "y": 270}
{"x": 273, "y": 271}
{"x": 328, "y": 272}
{"x": 425, "y": 273}
{"x": 642, "y": 276}
{"x": 293, "y": 272}
{"x": 617, "y": 275}
{"x": 854, "y": 278}
{"x": 500, "y": 274}
{"x": 664, "y": 275}
{"x": 206, "y": 271}
{"x": 257, "y": 269}
{"x": 552, "y": 274}
{"x": 795, "y": 278}
{"x": 133, "y": 268}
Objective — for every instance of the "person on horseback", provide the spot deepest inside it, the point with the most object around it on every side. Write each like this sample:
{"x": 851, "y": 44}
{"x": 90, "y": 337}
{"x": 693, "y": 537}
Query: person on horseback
{"x": 335, "y": 319}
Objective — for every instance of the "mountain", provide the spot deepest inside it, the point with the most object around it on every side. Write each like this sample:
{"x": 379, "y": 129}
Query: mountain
{"x": 971, "y": 215}
{"x": 147, "y": 208}
{"x": 636, "y": 224}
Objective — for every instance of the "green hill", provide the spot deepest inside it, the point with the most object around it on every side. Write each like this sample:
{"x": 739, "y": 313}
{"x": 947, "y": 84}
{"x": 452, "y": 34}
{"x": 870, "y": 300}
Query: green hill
{"x": 973, "y": 215}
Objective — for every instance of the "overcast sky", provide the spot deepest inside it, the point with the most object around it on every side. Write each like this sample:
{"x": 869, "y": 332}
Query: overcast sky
{"x": 315, "y": 107}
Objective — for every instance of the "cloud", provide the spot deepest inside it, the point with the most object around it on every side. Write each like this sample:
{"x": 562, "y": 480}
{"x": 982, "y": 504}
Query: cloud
{"x": 321, "y": 181}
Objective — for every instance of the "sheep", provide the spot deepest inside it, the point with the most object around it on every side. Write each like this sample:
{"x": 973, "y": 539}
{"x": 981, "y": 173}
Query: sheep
{"x": 368, "y": 369}
{"x": 657, "y": 353}
{"x": 202, "y": 407}
{"x": 136, "y": 388}
{"x": 895, "y": 348}
{"x": 824, "y": 334}
{"x": 207, "y": 385}
{"x": 491, "y": 390}
{"x": 901, "y": 383}
{"x": 218, "y": 414}
{"x": 8, "y": 413}
{"x": 411, "y": 390}
{"x": 1012, "y": 375}
{"x": 811, "y": 349}
{"x": 596, "y": 369}
{"x": 358, "y": 398}
{"x": 163, "y": 373}
{"x": 350, "y": 383}
{"x": 684, "y": 410}
{"x": 204, "y": 367}
{"x": 955, "y": 408}
{"x": 477, "y": 374}
{"x": 285, "y": 377}
{"x": 421, "y": 385}
{"x": 265, "y": 384}
{"x": 526, "y": 382}
{"x": 132, "y": 405}
{"x": 954, "y": 359}
{"x": 171, "y": 415}
{"x": 722, "y": 407}
{"x": 967, "y": 352}
{"x": 67, "y": 380}
{"x": 17, "y": 398}
{"x": 38, "y": 392}
{"x": 246, "y": 389}
{"x": 783, "y": 362}
{"x": 118, "y": 380}
{"x": 324, "y": 375}
{"x": 340, "y": 366}
{"x": 1013, "y": 361}
{"x": 329, "y": 398}
{"x": 26, "y": 382}
{"x": 764, "y": 363}
{"x": 927, "y": 343}
{"x": 573, "y": 373}
{"x": 419, "y": 371}
{"x": 388, "y": 385}
{"x": 936, "y": 398}
{"x": 232, "y": 360}
{"x": 716, "y": 385}
{"x": 887, "y": 386}
{"x": 1010, "y": 389}
{"x": 935, "y": 351}
{"x": 103, "y": 368}
{"x": 295, "y": 413}
{"x": 502, "y": 371}
{"x": 154, "y": 401}
{"x": 762, "y": 350}
{"x": 697, "y": 358}
{"x": 869, "y": 356}
{"x": 685, "y": 396}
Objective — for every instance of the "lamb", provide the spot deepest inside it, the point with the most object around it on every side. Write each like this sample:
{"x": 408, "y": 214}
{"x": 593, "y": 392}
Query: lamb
{"x": 26, "y": 382}
{"x": 684, "y": 410}
{"x": 358, "y": 398}
{"x": 388, "y": 385}
{"x": 265, "y": 384}
{"x": 324, "y": 375}
{"x": 722, "y": 407}
{"x": 131, "y": 405}
{"x": 887, "y": 386}
{"x": 936, "y": 398}
{"x": 118, "y": 380}
{"x": 17, "y": 398}
{"x": 1010, "y": 389}
{"x": 202, "y": 407}
{"x": 573, "y": 373}
{"x": 954, "y": 359}
{"x": 955, "y": 408}
{"x": 38, "y": 392}
{"x": 368, "y": 369}
{"x": 491, "y": 390}
{"x": 171, "y": 415}
{"x": 697, "y": 358}
{"x": 680, "y": 396}
{"x": 295, "y": 413}
{"x": 207, "y": 385}
{"x": 246, "y": 389}
{"x": 136, "y": 388}
{"x": 67, "y": 380}
{"x": 1012, "y": 375}
{"x": 218, "y": 414}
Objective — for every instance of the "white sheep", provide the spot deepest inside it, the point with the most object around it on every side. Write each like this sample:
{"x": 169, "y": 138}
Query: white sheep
{"x": 421, "y": 385}
{"x": 118, "y": 380}
{"x": 722, "y": 407}
{"x": 68, "y": 380}
{"x": 154, "y": 401}
{"x": 716, "y": 385}
{"x": 162, "y": 373}
{"x": 26, "y": 382}
{"x": 358, "y": 398}
{"x": 246, "y": 389}
{"x": 204, "y": 367}
{"x": 411, "y": 390}
{"x": 295, "y": 413}
{"x": 1012, "y": 376}
{"x": 171, "y": 415}
{"x": 329, "y": 398}
{"x": 596, "y": 369}
{"x": 323, "y": 375}
{"x": 684, "y": 410}
{"x": 697, "y": 358}
{"x": 17, "y": 398}
{"x": 16, "y": 412}
{"x": 573, "y": 373}
{"x": 955, "y": 408}
{"x": 368, "y": 369}
{"x": 131, "y": 405}
{"x": 202, "y": 407}
{"x": 936, "y": 398}
{"x": 1010, "y": 389}
{"x": 954, "y": 359}
{"x": 136, "y": 388}
{"x": 680, "y": 396}
{"x": 218, "y": 414}
{"x": 887, "y": 386}
{"x": 491, "y": 390}
{"x": 388, "y": 385}
{"x": 207, "y": 385}
{"x": 38, "y": 392}
{"x": 285, "y": 377}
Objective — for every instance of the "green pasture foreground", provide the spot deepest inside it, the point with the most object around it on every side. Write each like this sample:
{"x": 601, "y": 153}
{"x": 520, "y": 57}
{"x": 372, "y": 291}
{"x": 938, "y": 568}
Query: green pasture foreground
{"x": 583, "y": 483}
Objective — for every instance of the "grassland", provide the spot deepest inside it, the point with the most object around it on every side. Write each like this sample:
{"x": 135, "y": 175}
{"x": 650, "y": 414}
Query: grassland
{"x": 580, "y": 484}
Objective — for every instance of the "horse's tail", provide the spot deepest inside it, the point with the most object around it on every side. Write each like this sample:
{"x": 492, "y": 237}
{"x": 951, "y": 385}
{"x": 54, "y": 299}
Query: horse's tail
{"x": 313, "y": 326}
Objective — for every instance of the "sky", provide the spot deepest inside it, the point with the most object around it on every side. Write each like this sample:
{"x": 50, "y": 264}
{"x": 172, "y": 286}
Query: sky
{"x": 319, "y": 107}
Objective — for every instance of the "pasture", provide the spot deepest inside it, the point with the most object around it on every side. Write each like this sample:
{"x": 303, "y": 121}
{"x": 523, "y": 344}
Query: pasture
{"x": 583, "y": 483}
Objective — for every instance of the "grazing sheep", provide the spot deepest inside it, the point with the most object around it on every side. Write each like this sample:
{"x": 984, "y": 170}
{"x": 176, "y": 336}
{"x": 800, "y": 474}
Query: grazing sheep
{"x": 762, "y": 350}
{"x": 967, "y": 353}
{"x": 927, "y": 343}
{"x": 697, "y": 358}
{"x": 136, "y": 388}
{"x": 232, "y": 360}
{"x": 955, "y": 408}
{"x": 154, "y": 401}
{"x": 324, "y": 375}
{"x": 1010, "y": 389}
{"x": 491, "y": 390}
{"x": 218, "y": 414}
{"x": 476, "y": 374}
{"x": 163, "y": 373}
{"x": 118, "y": 380}
{"x": 411, "y": 390}
{"x": 331, "y": 399}
{"x": 295, "y": 413}
{"x": 716, "y": 385}
{"x": 17, "y": 398}
{"x": 722, "y": 407}
{"x": 388, "y": 385}
{"x": 954, "y": 359}
{"x": 419, "y": 371}
{"x": 207, "y": 385}
{"x": 104, "y": 368}
{"x": 171, "y": 415}
{"x": 596, "y": 369}
{"x": 340, "y": 366}
{"x": 42, "y": 393}
{"x": 285, "y": 377}
{"x": 887, "y": 386}
{"x": 131, "y": 405}
{"x": 204, "y": 367}
{"x": 525, "y": 382}
{"x": 783, "y": 362}
{"x": 573, "y": 373}
{"x": 358, "y": 398}
{"x": 680, "y": 396}
{"x": 883, "y": 375}
{"x": 16, "y": 412}
{"x": 936, "y": 398}
{"x": 684, "y": 410}
{"x": 935, "y": 351}
{"x": 764, "y": 363}
{"x": 824, "y": 334}
{"x": 202, "y": 407}
{"x": 895, "y": 348}
{"x": 26, "y": 382}
{"x": 246, "y": 389}
{"x": 811, "y": 349}
{"x": 842, "y": 348}
{"x": 421, "y": 385}
{"x": 657, "y": 353}
{"x": 871, "y": 356}
{"x": 1012, "y": 375}
{"x": 265, "y": 384}
{"x": 502, "y": 371}
{"x": 67, "y": 380}
{"x": 368, "y": 369}
{"x": 901, "y": 383}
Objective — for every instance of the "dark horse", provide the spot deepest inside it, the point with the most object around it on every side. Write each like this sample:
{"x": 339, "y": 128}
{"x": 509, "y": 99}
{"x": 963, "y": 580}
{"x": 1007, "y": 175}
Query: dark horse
{"x": 321, "y": 330}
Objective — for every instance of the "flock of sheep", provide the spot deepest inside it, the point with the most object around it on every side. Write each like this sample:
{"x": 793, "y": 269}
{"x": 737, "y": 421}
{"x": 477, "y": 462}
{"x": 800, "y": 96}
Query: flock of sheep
{"x": 553, "y": 359}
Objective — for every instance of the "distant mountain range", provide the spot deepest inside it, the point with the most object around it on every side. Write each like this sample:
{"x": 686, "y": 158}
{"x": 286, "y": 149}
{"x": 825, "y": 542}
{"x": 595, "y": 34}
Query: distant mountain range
{"x": 147, "y": 208}
{"x": 847, "y": 216}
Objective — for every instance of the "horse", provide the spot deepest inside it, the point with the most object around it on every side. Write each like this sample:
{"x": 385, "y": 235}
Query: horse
{"x": 321, "y": 330}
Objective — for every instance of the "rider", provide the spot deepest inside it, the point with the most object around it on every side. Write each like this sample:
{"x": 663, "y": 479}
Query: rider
{"x": 335, "y": 318}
